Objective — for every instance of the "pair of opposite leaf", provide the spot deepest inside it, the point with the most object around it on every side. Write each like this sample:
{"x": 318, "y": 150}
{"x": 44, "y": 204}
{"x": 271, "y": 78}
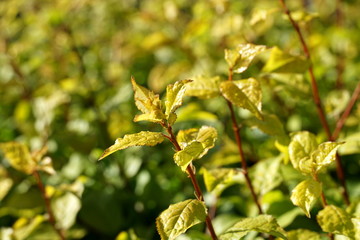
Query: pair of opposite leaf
{"x": 309, "y": 158}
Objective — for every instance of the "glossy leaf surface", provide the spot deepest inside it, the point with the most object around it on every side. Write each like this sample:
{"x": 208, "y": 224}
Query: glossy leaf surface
{"x": 174, "y": 96}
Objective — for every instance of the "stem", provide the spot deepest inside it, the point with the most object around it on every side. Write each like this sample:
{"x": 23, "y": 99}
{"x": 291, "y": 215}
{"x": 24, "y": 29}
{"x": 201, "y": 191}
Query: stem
{"x": 48, "y": 205}
{"x": 236, "y": 131}
{"x": 317, "y": 100}
{"x": 340, "y": 123}
{"x": 194, "y": 181}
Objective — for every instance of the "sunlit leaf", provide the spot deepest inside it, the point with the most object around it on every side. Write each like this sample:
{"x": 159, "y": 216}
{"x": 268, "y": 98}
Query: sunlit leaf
{"x": 174, "y": 96}
{"x": 179, "y": 217}
{"x": 243, "y": 93}
{"x": 191, "y": 152}
{"x": 325, "y": 154}
{"x": 203, "y": 87}
{"x": 228, "y": 154}
{"x": 127, "y": 235}
{"x": 281, "y": 62}
{"x": 261, "y": 223}
{"x": 303, "y": 234}
{"x": 240, "y": 58}
{"x": 143, "y": 138}
{"x": 18, "y": 156}
{"x": 45, "y": 165}
{"x": 218, "y": 179}
{"x": 335, "y": 220}
{"x": 23, "y": 227}
{"x": 305, "y": 194}
{"x": 65, "y": 209}
{"x": 300, "y": 148}
{"x": 193, "y": 111}
{"x": 148, "y": 103}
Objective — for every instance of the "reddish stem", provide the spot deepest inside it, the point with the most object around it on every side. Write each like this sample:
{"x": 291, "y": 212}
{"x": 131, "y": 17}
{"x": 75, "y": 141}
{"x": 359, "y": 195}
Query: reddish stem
{"x": 317, "y": 100}
{"x": 194, "y": 181}
{"x": 48, "y": 204}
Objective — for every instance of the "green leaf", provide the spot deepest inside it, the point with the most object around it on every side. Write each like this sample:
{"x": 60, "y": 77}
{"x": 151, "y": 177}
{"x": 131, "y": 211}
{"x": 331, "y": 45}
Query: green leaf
{"x": 244, "y": 93}
{"x": 191, "y": 152}
{"x": 266, "y": 175}
{"x": 261, "y": 223}
{"x": 127, "y": 235}
{"x": 281, "y": 62}
{"x": 143, "y": 138}
{"x": 218, "y": 179}
{"x": 174, "y": 96}
{"x": 148, "y": 103}
{"x": 179, "y": 217}
{"x": 23, "y": 227}
{"x": 65, "y": 209}
{"x": 19, "y": 156}
{"x": 335, "y": 220}
{"x": 204, "y": 87}
{"x": 240, "y": 58}
{"x": 193, "y": 111}
{"x": 228, "y": 154}
{"x": 303, "y": 234}
{"x": 305, "y": 194}
{"x": 300, "y": 148}
{"x": 325, "y": 154}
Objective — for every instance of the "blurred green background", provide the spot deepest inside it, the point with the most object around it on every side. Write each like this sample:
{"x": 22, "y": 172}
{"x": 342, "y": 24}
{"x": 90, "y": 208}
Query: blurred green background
{"x": 65, "y": 68}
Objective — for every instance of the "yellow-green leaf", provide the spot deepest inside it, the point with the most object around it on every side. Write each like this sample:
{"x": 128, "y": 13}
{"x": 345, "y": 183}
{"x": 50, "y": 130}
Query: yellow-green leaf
{"x": 218, "y": 179}
{"x": 335, "y": 220}
{"x": 303, "y": 234}
{"x": 65, "y": 209}
{"x": 24, "y": 227}
{"x": 148, "y": 103}
{"x": 244, "y": 93}
{"x": 325, "y": 154}
{"x": 300, "y": 148}
{"x": 261, "y": 223}
{"x": 19, "y": 156}
{"x": 281, "y": 62}
{"x": 143, "y": 138}
{"x": 240, "y": 58}
{"x": 191, "y": 152}
{"x": 179, "y": 217}
{"x": 203, "y": 87}
{"x": 174, "y": 96}
{"x": 305, "y": 194}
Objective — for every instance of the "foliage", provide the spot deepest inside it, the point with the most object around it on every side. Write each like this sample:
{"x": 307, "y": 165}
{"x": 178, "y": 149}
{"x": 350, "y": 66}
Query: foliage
{"x": 225, "y": 82}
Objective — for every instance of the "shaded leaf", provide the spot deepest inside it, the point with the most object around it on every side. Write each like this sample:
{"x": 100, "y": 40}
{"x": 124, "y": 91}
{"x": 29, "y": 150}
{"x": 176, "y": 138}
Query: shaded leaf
{"x": 228, "y": 154}
{"x": 193, "y": 111}
{"x": 203, "y": 87}
{"x": 303, "y": 234}
{"x": 174, "y": 96}
{"x": 325, "y": 154}
{"x": 127, "y": 235}
{"x": 218, "y": 179}
{"x": 191, "y": 152}
{"x": 148, "y": 103}
{"x": 335, "y": 220}
{"x": 281, "y": 62}
{"x": 243, "y": 93}
{"x": 19, "y": 156}
{"x": 240, "y": 58}
{"x": 261, "y": 223}
{"x": 143, "y": 138}
{"x": 305, "y": 194}
{"x": 179, "y": 217}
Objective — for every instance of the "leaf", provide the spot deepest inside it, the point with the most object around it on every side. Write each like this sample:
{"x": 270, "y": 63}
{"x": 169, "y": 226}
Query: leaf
{"x": 228, "y": 154}
{"x": 23, "y": 227}
{"x": 266, "y": 175}
{"x": 19, "y": 156}
{"x": 127, "y": 235}
{"x": 325, "y": 154}
{"x": 300, "y": 148}
{"x": 336, "y": 221}
{"x": 65, "y": 209}
{"x": 45, "y": 165}
{"x": 174, "y": 96}
{"x": 305, "y": 194}
{"x": 218, "y": 179}
{"x": 303, "y": 234}
{"x": 281, "y": 62}
{"x": 249, "y": 99}
{"x": 143, "y": 138}
{"x": 179, "y": 217}
{"x": 203, "y": 87}
{"x": 191, "y": 152}
{"x": 240, "y": 58}
{"x": 193, "y": 111}
{"x": 261, "y": 223}
{"x": 148, "y": 103}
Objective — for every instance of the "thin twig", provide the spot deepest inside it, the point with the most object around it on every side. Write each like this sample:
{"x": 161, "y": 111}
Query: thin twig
{"x": 236, "y": 131}
{"x": 194, "y": 181}
{"x": 48, "y": 205}
{"x": 317, "y": 100}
